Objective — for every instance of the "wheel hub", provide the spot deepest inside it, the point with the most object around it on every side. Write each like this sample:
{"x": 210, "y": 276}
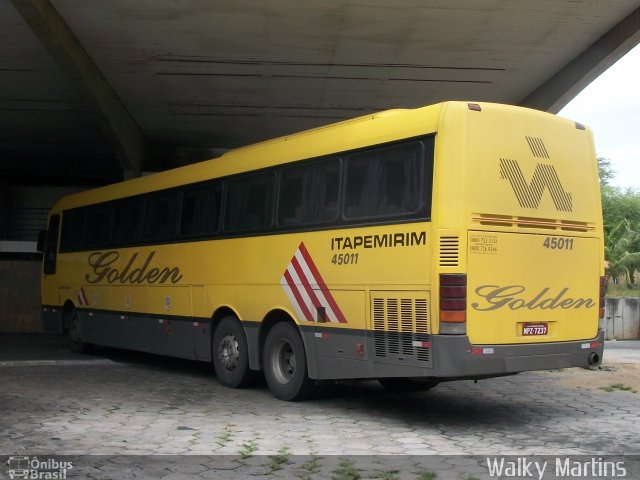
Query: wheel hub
{"x": 284, "y": 361}
{"x": 228, "y": 352}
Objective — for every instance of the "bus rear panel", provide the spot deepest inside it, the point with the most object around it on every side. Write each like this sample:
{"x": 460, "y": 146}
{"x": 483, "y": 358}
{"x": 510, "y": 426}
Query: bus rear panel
{"x": 526, "y": 214}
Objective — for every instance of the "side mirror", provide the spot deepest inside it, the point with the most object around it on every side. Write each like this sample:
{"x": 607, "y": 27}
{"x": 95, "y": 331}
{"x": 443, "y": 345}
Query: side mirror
{"x": 42, "y": 238}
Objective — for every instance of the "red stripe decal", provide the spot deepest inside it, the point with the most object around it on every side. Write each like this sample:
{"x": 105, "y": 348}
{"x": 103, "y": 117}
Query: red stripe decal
{"x": 312, "y": 295}
{"x": 301, "y": 303}
{"x": 312, "y": 267}
{"x": 82, "y": 298}
{"x": 319, "y": 280}
{"x": 309, "y": 277}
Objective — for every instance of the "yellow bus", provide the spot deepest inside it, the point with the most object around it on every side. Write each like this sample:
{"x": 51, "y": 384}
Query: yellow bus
{"x": 454, "y": 241}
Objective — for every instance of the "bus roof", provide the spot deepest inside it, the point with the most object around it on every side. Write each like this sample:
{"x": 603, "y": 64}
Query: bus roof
{"x": 381, "y": 127}
{"x": 367, "y": 130}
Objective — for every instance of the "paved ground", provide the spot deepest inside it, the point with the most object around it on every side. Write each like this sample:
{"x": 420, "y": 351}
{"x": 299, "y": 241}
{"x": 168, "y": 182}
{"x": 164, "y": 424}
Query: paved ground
{"x": 54, "y": 402}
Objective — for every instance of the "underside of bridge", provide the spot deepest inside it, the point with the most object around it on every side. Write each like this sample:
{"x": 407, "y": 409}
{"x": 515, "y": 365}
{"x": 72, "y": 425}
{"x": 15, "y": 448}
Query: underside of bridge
{"x": 94, "y": 91}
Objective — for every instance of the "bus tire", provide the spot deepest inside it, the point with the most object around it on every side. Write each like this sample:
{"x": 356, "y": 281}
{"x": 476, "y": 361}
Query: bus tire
{"x": 230, "y": 355}
{"x": 402, "y": 384}
{"x": 74, "y": 333}
{"x": 285, "y": 364}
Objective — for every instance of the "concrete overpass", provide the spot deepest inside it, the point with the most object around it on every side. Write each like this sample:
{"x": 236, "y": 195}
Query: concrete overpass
{"x": 94, "y": 91}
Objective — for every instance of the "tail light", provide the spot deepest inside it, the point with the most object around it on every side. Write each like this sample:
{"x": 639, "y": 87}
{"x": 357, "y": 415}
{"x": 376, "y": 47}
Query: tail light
{"x": 453, "y": 303}
{"x": 603, "y": 291}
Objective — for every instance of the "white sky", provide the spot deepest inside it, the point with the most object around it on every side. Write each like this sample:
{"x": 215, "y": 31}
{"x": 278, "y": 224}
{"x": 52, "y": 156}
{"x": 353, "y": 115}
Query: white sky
{"x": 610, "y": 105}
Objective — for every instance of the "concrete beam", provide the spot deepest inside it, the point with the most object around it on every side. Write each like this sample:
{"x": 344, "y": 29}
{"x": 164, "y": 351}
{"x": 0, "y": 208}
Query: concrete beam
{"x": 119, "y": 126}
{"x": 562, "y": 87}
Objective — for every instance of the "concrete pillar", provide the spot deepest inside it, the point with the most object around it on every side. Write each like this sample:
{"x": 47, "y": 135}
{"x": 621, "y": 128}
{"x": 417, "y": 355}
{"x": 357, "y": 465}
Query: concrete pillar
{"x": 20, "y": 296}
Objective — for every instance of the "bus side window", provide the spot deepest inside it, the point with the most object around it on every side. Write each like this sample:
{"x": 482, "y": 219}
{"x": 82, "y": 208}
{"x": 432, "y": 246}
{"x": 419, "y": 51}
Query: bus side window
{"x": 201, "y": 208}
{"x": 385, "y": 181}
{"x": 249, "y": 204}
{"x": 128, "y": 221}
{"x": 51, "y": 246}
{"x": 97, "y": 227}
{"x": 72, "y": 230}
{"x": 161, "y": 217}
{"x": 309, "y": 193}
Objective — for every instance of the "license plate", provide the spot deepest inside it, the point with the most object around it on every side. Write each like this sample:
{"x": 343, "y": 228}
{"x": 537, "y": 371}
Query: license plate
{"x": 535, "y": 329}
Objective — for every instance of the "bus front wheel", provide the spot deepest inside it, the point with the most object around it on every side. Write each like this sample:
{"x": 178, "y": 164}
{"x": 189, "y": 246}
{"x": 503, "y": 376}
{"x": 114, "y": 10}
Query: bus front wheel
{"x": 230, "y": 354}
{"x": 74, "y": 332}
{"x": 285, "y": 364}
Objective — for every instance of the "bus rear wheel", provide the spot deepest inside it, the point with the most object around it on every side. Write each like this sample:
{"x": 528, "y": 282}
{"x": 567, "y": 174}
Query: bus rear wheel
{"x": 285, "y": 364}
{"x": 230, "y": 354}
{"x": 402, "y": 384}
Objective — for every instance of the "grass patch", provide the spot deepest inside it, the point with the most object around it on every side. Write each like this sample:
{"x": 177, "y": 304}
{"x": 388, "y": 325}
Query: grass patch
{"x": 225, "y": 435}
{"x": 428, "y": 476}
{"x": 277, "y": 461}
{"x": 390, "y": 475}
{"x": 345, "y": 471}
{"x": 311, "y": 467}
{"x": 621, "y": 290}
{"x": 195, "y": 438}
{"x": 619, "y": 387}
{"x": 247, "y": 449}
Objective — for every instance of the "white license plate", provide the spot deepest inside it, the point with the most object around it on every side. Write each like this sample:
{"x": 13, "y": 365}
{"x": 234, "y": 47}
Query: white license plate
{"x": 529, "y": 330}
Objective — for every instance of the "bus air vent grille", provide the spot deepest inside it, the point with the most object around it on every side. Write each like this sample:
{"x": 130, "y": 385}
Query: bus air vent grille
{"x": 401, "y": 329}
{"x": 492, "y": 220}
{"x": 449, "y": 251}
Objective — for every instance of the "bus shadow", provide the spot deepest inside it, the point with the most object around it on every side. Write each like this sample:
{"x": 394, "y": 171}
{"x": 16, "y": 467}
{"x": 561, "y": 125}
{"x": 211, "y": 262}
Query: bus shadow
{"x": 153, "y": 361}
{"x": 489, "y": 403}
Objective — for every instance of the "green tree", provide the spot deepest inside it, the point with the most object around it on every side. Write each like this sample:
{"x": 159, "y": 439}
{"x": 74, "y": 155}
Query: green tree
{"x": 622, "y": 259}
{"x": 621, "y": 211}
{"x": 605, "y": 170}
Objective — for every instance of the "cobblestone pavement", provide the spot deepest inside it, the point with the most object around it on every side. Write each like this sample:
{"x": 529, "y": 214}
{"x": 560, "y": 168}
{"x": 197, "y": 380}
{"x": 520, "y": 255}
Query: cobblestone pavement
{"x": 122, "y": 403}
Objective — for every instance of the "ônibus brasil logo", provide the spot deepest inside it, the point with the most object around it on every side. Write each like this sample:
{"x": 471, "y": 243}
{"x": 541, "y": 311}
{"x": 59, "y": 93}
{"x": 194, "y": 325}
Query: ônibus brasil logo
{"x": 35, "y": 468}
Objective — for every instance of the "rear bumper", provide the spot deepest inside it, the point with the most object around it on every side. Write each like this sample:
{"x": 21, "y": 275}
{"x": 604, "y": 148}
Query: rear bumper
{"x": 455, "y": 356}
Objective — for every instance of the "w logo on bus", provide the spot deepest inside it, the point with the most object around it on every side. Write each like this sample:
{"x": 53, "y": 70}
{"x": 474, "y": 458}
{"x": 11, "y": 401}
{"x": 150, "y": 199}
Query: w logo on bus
{"x": 529, "y": 195}
{"x": 307, "y": 292}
